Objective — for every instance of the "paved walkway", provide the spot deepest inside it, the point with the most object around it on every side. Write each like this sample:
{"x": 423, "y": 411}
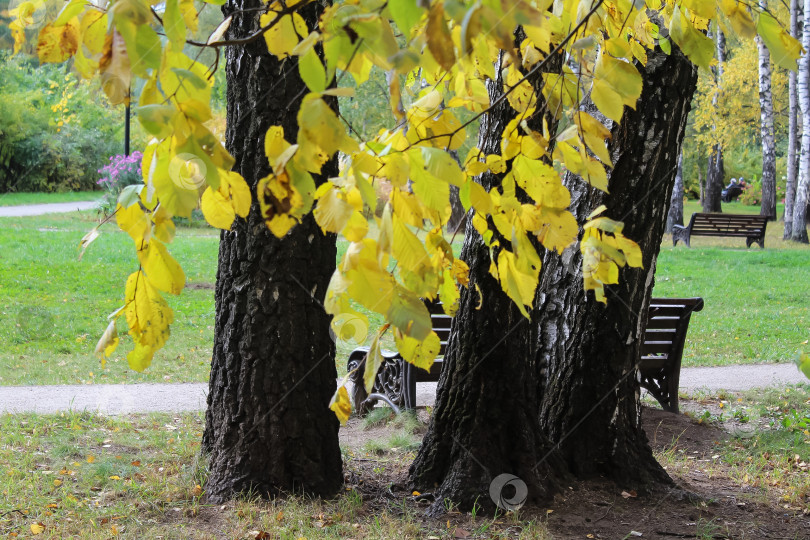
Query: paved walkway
{"x": 39, "y": 209}
{"x": 128, "y": 398}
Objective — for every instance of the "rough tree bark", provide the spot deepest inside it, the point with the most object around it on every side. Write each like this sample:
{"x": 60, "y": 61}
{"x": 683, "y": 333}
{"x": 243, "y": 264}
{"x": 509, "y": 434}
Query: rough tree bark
{"x": 716, "y": 171}
{"x": 590, "y": 407}
{"x": 675, "y": 214}
{"x": 768, "y": 205}
{"x": 793, "y": 130}
{"x": 799, "y": 229}
{"x": 485, "y": 422}
{"x": 268, "y": 426}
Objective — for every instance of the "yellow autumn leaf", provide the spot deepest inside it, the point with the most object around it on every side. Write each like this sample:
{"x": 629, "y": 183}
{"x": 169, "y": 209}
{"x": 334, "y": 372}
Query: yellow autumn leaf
{"x": 217, "y": 210}
{"x": 37, "y": 528}
{"x": 133, "y": 221}
{"x": 332, "y": 212}
{"x": 274, "y": 143}
{"x": 58, "y": 43}
{"x": 693, "y": 42}
{"x": 107, "y": 343}
{"x": 408, "y": 250}
{"x": 374, "y": 360}
{"x": 422, "y": 354}
{"x": 439, "y": 40}
{"x": 341, "y": 405}
{"x": 784, "y": 48}
{"x": 283, "y": 36}
{"x": 518, "y": 285}
{"x": 161, "y": 269}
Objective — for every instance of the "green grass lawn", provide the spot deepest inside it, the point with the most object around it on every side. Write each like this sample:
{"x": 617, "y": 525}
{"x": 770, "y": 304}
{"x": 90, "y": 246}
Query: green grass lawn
{"x": 757, "y": 301}
{"x": 17, "y": 199}
{"x": 53, "y": 307}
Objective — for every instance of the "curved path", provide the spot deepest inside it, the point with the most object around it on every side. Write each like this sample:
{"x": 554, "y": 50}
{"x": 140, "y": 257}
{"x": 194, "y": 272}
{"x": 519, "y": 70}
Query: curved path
{"x": 130, "y": 398}
{"x": 39, "y": 209}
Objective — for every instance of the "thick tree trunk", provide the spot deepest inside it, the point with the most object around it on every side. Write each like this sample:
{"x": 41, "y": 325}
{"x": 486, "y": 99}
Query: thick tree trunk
{"x": 590, "y": 407}
{"x": 268, "y": 426}
{"x": 485, "y": 422}
{"x": 793, "y": 130}
{"x": 675, "y": 214}
{"x": 799, "y": 229}
{"x": 768, "y": 205}
{"x": 716, "y": 171}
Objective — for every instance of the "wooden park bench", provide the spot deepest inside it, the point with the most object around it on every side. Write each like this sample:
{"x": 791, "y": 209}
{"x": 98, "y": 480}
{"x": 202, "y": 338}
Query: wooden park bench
{"x": 750, "y": 227}
{"x": 659, "y": 364}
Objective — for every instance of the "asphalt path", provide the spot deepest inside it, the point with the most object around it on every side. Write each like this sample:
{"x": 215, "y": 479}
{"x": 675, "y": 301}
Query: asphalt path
{"x": 143, "y": 398}
{"x": 39, "y": 209}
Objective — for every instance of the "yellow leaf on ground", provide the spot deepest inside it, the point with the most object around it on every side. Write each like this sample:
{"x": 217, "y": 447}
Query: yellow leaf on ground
{"x": 37, "y": 528}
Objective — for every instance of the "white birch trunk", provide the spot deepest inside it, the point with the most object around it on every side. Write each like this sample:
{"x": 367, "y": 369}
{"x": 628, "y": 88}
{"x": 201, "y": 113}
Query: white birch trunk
{"x": 799, "y": 232}
{"x": 793, "y": 130}
{"x": 768, "y": 205}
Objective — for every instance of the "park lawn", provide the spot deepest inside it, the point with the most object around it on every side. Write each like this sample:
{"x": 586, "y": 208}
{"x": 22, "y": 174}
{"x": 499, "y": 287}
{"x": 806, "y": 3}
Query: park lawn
{"x": 53, "y": 307}
{"x": 757, "y": 301}
{"x": 77, "y": 474}
{"x": 18, "y": 199}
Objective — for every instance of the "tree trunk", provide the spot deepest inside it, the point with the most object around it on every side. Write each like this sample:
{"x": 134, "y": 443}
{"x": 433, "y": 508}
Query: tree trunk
{"x": 716, "y": 171}
{"x": 485, "y": 421}
{"x": 268, "y": 426}
{"x": 768, "y": 205}
{"x": 590, "y": 407}
{"x": 793, "y": 130}
{"x": 675, "y": 214}
{"x": 799, "y": 228}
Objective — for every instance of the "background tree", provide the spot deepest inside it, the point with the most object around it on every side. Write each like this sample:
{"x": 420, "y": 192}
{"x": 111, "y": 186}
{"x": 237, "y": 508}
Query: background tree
{"x": 794, "y": 133}
{"x": 799, "y": 229}
{"x": 768, "y": 202}
{"x": 715, "y": 171}
{"x": 675, "y": 215}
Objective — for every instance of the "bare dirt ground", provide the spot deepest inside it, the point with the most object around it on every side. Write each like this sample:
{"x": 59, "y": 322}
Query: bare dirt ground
{"x": 699, "y": 505}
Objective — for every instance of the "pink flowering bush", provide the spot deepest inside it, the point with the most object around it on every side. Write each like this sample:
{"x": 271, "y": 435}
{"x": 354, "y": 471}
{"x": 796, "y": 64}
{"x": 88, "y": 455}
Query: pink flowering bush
{"x": 120, "y": 172}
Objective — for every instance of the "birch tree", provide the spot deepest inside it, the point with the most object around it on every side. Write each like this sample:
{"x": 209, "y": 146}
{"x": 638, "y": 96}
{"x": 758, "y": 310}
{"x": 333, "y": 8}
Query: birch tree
{"x": 794, "y": 135}
{"x": 715, "y": 172}
{"x": 675, "y": 215}
{"x": 768, "y": 205}
{"x": 799, "y": 230}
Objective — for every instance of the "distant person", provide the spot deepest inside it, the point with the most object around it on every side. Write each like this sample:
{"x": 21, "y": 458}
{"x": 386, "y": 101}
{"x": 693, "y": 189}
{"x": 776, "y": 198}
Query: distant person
{"x": 733, "y": 190}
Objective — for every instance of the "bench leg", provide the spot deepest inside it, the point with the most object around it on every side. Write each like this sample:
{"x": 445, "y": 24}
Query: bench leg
{"x": 755, "y": 240}
{"x": 408, "y": 385}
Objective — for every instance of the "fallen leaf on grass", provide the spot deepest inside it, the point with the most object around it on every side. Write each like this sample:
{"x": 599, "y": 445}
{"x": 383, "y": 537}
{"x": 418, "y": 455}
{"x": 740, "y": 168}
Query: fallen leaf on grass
{"x": 37, "y": 528}
{"x": 460, "y": 533}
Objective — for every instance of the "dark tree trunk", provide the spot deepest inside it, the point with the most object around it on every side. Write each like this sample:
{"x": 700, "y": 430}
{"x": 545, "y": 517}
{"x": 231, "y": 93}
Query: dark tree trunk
{"x": 590, "y": 407}
{"x": 715, "y": 176}
{"x": 456, "y": 208}
{"x": 675, "y": 215}
{"x": 485, "y": 422}
{"x": 268, "y": 426}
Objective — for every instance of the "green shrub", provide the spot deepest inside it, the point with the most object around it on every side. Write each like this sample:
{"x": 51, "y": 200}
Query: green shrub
{"x": 56, "y": 131}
